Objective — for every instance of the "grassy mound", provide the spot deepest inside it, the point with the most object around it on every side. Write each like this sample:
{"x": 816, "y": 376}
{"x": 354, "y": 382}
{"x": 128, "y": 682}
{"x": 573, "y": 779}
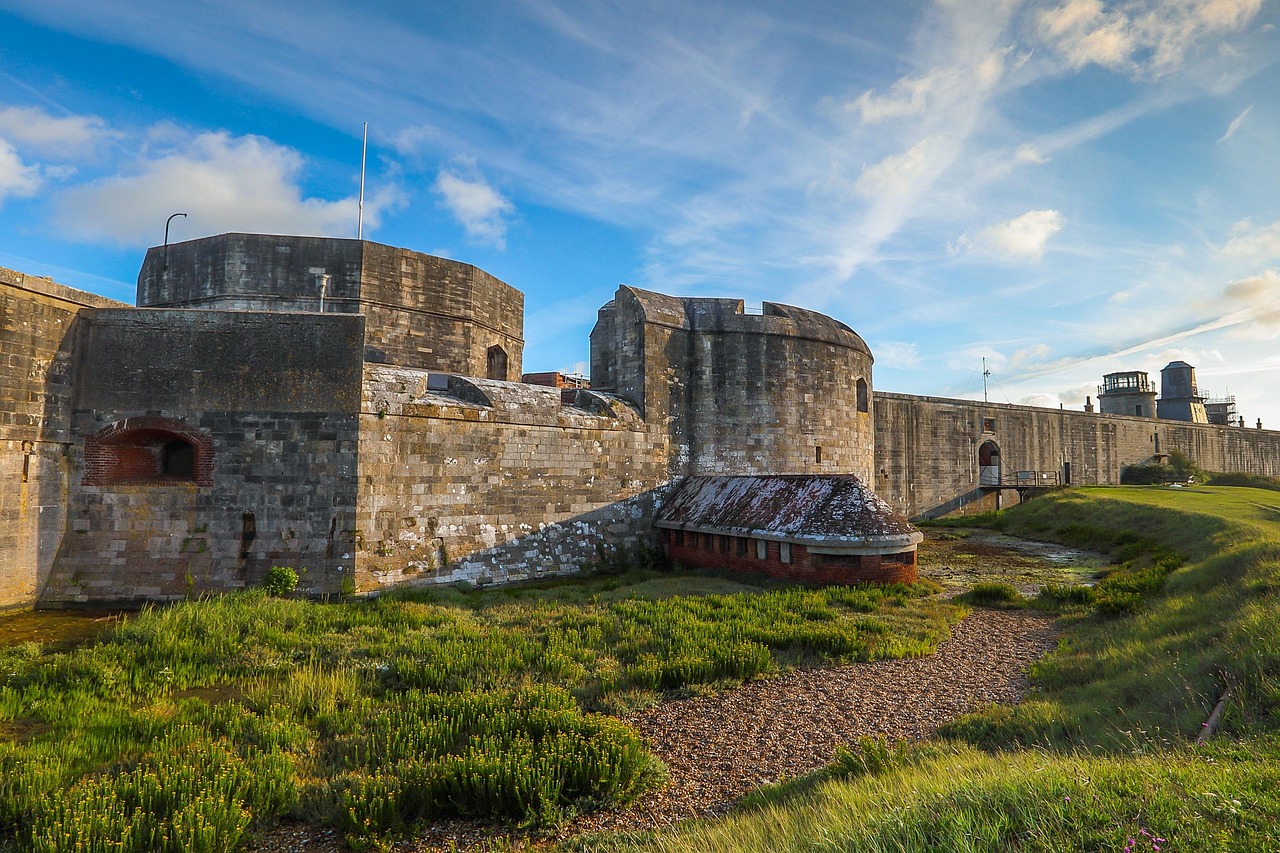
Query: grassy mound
{"x": 1103, "y": 755}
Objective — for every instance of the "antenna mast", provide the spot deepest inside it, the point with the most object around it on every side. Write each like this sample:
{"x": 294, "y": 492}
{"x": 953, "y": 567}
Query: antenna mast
{"x": 985, "y": 374}
{"x": 364, "y": 150}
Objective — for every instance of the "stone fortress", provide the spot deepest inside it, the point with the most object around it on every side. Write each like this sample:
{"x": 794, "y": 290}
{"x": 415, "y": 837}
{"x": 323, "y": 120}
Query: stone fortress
{"x": 354, "y": 409}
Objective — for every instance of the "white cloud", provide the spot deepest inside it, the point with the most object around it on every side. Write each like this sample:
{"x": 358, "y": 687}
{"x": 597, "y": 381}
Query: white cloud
{"x": 909, "y": 96}
{"x": 1260, "y": 297}
{"x": 1029, "y": 355}
{"x": 920, "y": 95}
{"x": 1022, "y": 238}
{"x": 70, "y": 136}
{"x": 1253, "y": 244}
{"x": 16, "y": 178}
{"x": 478, "y": 207}
{"x": 898, "y": 173}
{"x": 1235, "y": 125}
{"x": 898, "y": 354}
{"x": 1152, "y": 37}
{"x": 1028, "y": 153}
{"x": 224, "y": 183}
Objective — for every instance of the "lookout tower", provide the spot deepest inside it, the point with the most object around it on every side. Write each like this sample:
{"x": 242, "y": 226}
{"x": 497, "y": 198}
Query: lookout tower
{"x": 1129, "y": 393}
{"x": 1180, "y": 397}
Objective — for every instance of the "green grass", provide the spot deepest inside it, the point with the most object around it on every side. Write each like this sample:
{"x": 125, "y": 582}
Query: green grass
{"x": 1101, "y": 756}
{"x": 185, "y": 726}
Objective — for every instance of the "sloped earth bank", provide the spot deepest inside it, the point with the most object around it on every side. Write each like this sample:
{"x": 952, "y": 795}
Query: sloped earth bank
{"x": 720, "y": 747}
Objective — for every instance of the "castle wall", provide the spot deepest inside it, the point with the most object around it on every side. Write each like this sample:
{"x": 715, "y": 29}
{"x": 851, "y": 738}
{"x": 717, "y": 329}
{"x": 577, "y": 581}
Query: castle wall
{"x": 490, "y": 482}
{"x": 437, "y": 314}
{"x": 37, "y": 326}
{"x": 927, "y": 449}
{"x": 421, "y": 311}
{"x": 270, "y": 405}
{"x": 739, "y": 393}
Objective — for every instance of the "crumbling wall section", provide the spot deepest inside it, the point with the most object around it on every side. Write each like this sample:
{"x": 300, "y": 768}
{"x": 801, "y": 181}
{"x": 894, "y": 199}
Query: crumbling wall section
{"x": 490, "y": 482}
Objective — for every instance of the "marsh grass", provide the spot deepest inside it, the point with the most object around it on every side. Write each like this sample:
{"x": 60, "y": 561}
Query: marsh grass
{"x": 1101, "y": 755}
{"x": 185, "y": 726}
{"x": 949, "y": 797}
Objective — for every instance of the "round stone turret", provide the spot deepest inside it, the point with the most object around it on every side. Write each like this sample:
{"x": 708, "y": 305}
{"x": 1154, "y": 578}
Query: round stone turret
{"x": 785, "y": 391}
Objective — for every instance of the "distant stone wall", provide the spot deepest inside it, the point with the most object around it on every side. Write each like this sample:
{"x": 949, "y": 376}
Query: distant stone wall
{"x": 927, "y": 449}
{"x": 786, "y": 391}
{"x": 38, "y": 321}
{"x": 490, "y": 482}
{"x": 269, "y": 405}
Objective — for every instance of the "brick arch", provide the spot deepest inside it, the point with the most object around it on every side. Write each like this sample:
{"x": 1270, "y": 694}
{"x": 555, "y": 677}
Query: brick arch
{"x": 137, "y": 450}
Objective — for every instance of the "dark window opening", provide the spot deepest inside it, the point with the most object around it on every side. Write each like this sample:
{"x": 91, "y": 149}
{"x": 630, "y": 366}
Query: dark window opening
{"x": 497, "y": 367}
{"x": 178, "y": 459}
{"x": 1137, "y": 410}
{"x": 864, "y": 396}
{"x": 817, "y": 454}
{"x": 988, "y": 424}
{"x": 248, "y": 533}
{"x": 742, "y": 546}
{"x": 679, "y": 537}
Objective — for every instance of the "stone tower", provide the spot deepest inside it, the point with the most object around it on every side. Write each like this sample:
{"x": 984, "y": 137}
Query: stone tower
{"x": 1180, "y": 397}
{"x": 786, "y": 391}
{"x": 1129, "y": 393}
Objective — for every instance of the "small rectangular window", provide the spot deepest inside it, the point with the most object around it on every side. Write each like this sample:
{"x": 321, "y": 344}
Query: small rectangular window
{"x": 724, "y": 544}
{"x": 679, "y": 537}
{"x": 988, "y": 424}
{"x": 742, "y": 546}
{"x": 762, "y": 549}
{"x": 784, "y": 551}
{"x": 817, "y": 454}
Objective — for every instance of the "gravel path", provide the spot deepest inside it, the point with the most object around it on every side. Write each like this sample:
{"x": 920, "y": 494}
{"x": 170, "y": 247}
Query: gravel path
{"x": 720, "y": 747}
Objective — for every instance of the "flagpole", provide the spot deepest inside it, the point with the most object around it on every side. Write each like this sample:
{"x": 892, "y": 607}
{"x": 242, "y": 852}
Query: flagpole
{"x": 364, "y": 150}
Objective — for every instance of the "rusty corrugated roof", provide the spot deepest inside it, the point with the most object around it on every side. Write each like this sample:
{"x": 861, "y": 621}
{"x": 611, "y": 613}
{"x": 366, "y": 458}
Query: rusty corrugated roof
{"x": 822, "y": 509}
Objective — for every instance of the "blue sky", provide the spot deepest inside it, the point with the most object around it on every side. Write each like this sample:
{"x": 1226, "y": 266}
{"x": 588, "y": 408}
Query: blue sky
{"x": 1064, "y": 188}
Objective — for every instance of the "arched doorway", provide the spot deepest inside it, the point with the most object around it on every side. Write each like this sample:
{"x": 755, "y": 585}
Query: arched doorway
{"x": 989, "y": 464}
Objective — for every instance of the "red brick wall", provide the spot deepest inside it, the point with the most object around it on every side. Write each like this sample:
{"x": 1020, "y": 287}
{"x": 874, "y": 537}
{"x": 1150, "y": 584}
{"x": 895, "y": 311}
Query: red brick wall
{"x": 707, "y": 551}
{"x": 129, "y": 451}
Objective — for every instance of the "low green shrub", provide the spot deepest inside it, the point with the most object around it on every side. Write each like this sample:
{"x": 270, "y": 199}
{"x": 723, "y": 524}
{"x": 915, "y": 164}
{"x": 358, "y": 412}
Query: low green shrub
{"x": 1252, "y": 481}
{"x": 999, "y": 595}
{"x": 280, "y": 580}
{"x": 1056, "y": 596}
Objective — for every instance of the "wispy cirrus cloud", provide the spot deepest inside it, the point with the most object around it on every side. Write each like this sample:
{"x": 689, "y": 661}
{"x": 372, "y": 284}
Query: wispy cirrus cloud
{"x": 1235, "y": 125}
{"x": 1148, "y": 37}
